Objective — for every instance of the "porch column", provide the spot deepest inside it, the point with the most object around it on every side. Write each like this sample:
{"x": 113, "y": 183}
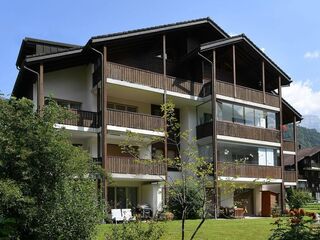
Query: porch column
{"x": 234, "y": 70}
{"x": 214, "y": 135}
{"x": 104, "y": 118}
{"x": 282, "y": 192}
{"x": 40, "y": 91}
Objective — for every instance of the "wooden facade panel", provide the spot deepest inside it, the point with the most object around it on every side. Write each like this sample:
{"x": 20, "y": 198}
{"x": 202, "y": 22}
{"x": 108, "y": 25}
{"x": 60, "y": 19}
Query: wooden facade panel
{"x": 288, "y": 146}
{"x": 250, "y": 171}
{"x": 129, "y": 165}
{"x": 134, "y": 120}
{"x": 289, "y": 176}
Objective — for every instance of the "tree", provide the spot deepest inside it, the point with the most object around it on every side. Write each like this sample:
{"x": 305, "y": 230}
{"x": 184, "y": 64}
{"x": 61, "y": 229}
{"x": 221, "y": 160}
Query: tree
{"x": 46, "y": 186}
{"x": 297, "y": 198}
{"x": 196, "y": 170}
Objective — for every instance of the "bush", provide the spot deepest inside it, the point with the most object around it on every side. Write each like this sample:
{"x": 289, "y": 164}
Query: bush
{"x": 295, "y": 228}
{"x": 136, "y": 231}
{"x": 193, "y": 200}
{"x": 298, "y": 198}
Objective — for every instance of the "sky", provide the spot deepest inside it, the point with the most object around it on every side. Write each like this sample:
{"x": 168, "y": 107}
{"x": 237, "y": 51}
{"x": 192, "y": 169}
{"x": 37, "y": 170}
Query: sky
{"x": 287, "y": 30}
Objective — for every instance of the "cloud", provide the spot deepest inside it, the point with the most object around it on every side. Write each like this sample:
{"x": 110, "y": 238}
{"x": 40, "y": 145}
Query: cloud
{"x": 303, "y": 98}
{"x": 312, "y": 55}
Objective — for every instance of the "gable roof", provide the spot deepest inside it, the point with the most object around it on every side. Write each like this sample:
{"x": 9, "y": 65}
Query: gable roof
{"x": 301, "y": 154}
{"x": 242, "y": 38}
{"x": 33, "y": 46}
{"x": 158, "y": 29}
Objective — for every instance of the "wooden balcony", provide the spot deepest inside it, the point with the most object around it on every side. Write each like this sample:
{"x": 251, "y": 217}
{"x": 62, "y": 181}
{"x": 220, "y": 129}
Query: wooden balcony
{"x": 250, "y": 171}
{"x": 134, "y": 120}
{"x": 289, "y": 176}
{"x": 83, "y": 119}
{"x": 239, "y": 130}
{"x": 247, "y": 94}
{"x": 128, "y": 165}
{"x": 288, "y": 146}
{"x": 152, "y": 79}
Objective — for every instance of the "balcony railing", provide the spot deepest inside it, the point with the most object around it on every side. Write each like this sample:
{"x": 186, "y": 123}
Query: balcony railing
{"x": 128, "y": 165}
{"x": 134, "y": 120}
{"x": 289, "y": 176}
{"x": 238, "y": 130}
{"x": 152, "y": 79}
{"x": 83, "y": 119}
{"x": 250, "y": 171}
{"x": 288, "y": 146}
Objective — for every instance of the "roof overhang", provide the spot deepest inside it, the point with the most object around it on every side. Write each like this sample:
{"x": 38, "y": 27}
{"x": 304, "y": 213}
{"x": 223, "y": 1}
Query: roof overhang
{"x": 157, "y": 30}
{"x": 244, "y": 39}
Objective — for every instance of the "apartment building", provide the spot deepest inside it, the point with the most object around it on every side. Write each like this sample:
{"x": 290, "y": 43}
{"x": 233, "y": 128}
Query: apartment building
{"x": 226, "y": 90}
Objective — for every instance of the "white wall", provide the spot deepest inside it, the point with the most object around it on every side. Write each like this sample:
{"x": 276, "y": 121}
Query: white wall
{"x": 152, "y": 195}
{"x": 72, "y": 84}
{"x": 257, "y": 200}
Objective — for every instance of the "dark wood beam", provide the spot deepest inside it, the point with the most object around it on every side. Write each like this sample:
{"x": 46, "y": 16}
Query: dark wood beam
{"x": 214, "y": 135}
{"x": 295, "y": 145}
{"x": 263, "y": 83}
{"x": 164, "y": 62}
{"x": 40, "y": 91}
{"x": 104, "y": 104}
{"x": 282, "y": 192}
{"x": 234, "y": 70}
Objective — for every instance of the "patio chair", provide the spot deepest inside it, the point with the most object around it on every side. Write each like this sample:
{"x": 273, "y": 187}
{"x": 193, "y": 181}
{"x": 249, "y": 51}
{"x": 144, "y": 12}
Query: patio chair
{"x": 127, "y": 214}
{"x": 116, "y": 215}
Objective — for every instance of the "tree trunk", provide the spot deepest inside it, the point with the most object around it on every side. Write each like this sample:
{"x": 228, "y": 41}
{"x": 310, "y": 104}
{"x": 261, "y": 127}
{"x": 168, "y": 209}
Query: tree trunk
{"x": 183, "y": 222}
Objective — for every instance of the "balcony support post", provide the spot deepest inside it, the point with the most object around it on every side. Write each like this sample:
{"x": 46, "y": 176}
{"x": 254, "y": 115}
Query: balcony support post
{"x": 104, "y": 118}
{"x": 164, "y": 58}
{"x": 214, "y": 135}
{"x": 295, "y": 145}
{"x": 40, "y": 92}
{"x": 234, "y": 70}
{"x": 282, "y": 192}
{"x": 263, "y": 83}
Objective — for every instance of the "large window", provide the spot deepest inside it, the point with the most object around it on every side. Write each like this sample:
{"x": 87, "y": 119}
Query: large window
{"x": 122, "y": 197}
{"x": 246, "y": 115}
{"x": 248, "y": 154}
{"x": 122, "y": 107}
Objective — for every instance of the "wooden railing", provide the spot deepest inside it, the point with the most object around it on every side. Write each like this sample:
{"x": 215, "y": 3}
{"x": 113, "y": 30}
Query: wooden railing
{"x": 134, "y": 120}
{"x": 288, "y": 146}
{"x": 238, "y": 130}
{"x": 248, "y": 94}
{"x": 128, "y": 165}
{"x": 82, "y": 119}
{"x": 152, "y": 79}
{"x": 289, "y": 176}
{"x": 246, "y": 170}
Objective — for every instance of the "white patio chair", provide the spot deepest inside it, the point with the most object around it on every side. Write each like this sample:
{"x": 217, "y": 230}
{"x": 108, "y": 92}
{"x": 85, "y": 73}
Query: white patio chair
{"x": 116, "y": 215}
{"x": 127, "y": 214}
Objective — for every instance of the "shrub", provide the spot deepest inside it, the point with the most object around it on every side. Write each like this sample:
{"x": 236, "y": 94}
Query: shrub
{"x": 193, "y": 201}
{"x": 298, "y": 198}
{"x": 136, "y": 231}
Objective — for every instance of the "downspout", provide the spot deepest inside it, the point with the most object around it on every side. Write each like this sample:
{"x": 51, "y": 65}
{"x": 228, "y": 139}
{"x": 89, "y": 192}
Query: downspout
{"x": 38, "y": 79}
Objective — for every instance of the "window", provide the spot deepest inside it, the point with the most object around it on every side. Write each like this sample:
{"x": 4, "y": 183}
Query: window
{"x": 248, "y": 154}
{"x": 238, "y": 114}
{"x": 122, "y": 107}
{"x": 122, "y": 197}
{"x": 227, "y": 112}
{"x": 271, "y": 120}
{"x": 66, "y": 103}
{"x": 260, "y": 118}
{"x": 249, "y": 116}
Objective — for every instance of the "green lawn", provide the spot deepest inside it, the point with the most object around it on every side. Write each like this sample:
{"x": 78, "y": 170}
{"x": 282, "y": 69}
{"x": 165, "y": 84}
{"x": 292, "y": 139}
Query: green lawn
{"x": 312, "y": 207}
{"x": 242, "y": 229}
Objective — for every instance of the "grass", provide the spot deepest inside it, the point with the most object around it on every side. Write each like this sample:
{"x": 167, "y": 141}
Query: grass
{"x": 239, "y": 229}
{"x": 312, "y": 207}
